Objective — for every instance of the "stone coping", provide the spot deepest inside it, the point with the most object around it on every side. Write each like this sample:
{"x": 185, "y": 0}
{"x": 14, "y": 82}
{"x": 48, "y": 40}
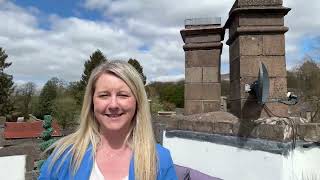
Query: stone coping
{"x": 224, "y": 123}
{"x": 258, "y": 9}
{"x": 255, "y": 10}
{"x": 255, "y": 3}
{"x": 202, "y": 46}
{"x": 14, "y": 142}
{"x": 258, "y": 5}
{"x": 202, "y": 30}
{"x": 271, "y": 146}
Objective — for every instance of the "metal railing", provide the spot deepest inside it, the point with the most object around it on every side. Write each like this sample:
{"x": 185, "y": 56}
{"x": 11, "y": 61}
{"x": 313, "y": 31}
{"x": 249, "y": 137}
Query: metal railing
{"x": 202, "y": 21}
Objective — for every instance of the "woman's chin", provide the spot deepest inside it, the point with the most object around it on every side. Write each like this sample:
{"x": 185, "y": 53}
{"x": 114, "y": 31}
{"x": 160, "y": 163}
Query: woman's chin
{"x": 114, "y": 126}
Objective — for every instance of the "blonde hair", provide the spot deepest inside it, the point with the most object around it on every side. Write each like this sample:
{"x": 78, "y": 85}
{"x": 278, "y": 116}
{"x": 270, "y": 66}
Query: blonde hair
{"x": 140, "y": 137}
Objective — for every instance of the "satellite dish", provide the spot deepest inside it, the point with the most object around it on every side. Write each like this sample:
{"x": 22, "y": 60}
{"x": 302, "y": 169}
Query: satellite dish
{"x": 260, "y": 88}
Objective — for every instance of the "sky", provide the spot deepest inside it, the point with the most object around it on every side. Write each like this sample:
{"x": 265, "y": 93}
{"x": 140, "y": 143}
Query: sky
{"x": 51, "y": 38}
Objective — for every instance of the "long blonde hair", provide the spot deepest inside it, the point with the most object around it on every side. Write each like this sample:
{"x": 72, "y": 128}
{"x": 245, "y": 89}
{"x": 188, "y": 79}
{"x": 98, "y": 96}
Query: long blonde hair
{"x": 140, "y": 138}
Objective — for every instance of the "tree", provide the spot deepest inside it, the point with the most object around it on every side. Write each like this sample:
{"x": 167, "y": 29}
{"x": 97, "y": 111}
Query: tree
{"x": 47, "y": 96}
{"x": 95, "y": 59}
{"x": 308, "y": 75}
{"x": 6, "y": 85}
{"x": 24, "y": 95}
{"x": 47, "y": 138}
{"x": 65, "y": 111}
{"x": 139, "y": 68}
{"x": 304, "y": 80}
{"x": 169, "y": 93}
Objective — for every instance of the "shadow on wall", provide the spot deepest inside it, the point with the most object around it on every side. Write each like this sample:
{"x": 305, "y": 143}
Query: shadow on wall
{"x": 185, "y": 173}
{"x": 251, "y": 110}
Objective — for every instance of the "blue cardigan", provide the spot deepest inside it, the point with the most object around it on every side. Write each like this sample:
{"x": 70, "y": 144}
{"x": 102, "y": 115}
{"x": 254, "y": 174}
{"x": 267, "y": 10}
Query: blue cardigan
{"x": 166, "y": 170}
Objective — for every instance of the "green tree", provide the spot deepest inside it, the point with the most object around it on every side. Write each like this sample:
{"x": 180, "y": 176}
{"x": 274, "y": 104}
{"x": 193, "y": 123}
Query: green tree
{"x": 24, "y": 95}
{"x": 96, "y": 59}
{"x": 66, "y": 111}
{"x": 6, "y": 85}
{"x": 78, "y": 88}
{"x": 47, "y": 96}
{"x": 169, "y": 93}
{"x": 46, "y": 137}
{"x": 135, "y": 63}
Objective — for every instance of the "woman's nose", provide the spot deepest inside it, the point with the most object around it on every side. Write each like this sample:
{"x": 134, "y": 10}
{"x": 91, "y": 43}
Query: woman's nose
{"x": 113, "y": 105}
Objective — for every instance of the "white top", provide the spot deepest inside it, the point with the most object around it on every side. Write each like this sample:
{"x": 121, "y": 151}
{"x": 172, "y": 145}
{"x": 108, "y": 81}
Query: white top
{"x": 97, "y": 175}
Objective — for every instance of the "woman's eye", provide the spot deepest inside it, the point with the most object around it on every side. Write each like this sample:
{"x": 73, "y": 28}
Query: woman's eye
{"x": 103, "y": 95}
{"x": 123, "y": 95}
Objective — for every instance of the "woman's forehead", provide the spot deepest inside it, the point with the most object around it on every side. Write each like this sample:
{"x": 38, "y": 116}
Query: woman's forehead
{"x": 108, "y": 81}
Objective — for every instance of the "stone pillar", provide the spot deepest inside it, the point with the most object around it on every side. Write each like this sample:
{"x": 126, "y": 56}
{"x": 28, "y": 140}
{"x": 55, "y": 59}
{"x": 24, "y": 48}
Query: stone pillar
{"x": 202, "y": 48}
{"x": 256, "y": 34}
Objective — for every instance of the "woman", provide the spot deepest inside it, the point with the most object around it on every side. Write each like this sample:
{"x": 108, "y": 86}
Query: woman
{"x": 115, "y": 138}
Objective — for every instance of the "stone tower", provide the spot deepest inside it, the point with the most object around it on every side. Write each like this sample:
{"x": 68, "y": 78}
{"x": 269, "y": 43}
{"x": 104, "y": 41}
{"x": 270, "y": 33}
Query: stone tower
{"x": 203, "y": 47}
{"x": 256, "y": 34}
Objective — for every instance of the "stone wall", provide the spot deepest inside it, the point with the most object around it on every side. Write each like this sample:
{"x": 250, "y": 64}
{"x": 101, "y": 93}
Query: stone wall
{"x": 223, "y": 123}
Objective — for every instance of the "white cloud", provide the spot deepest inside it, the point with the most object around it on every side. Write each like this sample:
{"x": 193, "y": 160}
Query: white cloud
{"x": 96, "y": 4}
{"x": 302, "y": 22}
{"x": 168, "y": 78}
{"x": 60, "y": 50}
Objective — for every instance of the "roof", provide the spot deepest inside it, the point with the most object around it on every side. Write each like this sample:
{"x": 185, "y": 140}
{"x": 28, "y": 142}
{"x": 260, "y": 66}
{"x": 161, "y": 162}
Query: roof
{"x": 18, "y": 130}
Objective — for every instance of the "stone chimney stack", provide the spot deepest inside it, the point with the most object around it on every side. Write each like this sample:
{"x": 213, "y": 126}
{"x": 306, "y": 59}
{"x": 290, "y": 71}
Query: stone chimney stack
{"x": 256, "y": 34}
{"x": 203, "y": 47}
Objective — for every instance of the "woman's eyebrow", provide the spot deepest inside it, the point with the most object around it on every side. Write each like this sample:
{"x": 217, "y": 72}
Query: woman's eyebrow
{"x": 102, "y": 91}
{"x": 124, "y": 91}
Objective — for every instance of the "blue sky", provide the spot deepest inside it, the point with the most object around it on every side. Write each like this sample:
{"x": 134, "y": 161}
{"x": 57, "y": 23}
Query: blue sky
{"x": 50, "y": 38}
{"x": 65, "y": 9}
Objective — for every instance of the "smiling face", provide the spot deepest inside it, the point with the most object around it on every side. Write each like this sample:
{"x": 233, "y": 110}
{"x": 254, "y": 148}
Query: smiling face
{"x": 114, "y": 103}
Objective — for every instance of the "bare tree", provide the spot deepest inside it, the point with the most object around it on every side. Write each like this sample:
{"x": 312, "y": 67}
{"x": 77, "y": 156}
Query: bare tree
{"x": 24, "y": 95}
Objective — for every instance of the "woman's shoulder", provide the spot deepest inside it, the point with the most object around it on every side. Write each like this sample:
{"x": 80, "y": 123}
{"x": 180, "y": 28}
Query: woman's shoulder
{"x": 59, "y": 164}
{"x": 166, "y": 166}
{"x": 54, "y": 164}
{"x": 164, "y": 156}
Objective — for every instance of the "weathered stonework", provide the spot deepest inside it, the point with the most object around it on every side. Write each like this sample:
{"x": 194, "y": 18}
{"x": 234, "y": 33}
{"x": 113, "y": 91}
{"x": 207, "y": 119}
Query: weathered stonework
{"x": 256, "y": 34}
{"x": 193, "y": 75}
{"x": 309, "y": 132}
{"x": 202, "y": 48}
{"x": 211, "y": 75}
{"x": 223, "y": 123}
{"x": 254, "y": 20}
{"x": 246, "y": 3}
{"x": 249, "y": 109}
{"x": 203, "y": 58}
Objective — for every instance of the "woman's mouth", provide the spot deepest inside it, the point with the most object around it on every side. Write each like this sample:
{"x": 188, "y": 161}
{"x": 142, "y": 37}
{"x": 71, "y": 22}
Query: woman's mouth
{"x": 113, "y": 115}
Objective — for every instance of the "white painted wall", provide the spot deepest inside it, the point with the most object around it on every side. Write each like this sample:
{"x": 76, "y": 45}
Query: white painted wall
{"x": 232, "y": 163}
{"x": 12, "y": 167}
{"x": 303, "y": 163}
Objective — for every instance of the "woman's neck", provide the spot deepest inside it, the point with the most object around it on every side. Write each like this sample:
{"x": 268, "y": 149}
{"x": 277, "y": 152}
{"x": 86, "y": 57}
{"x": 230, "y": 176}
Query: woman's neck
{"x": 114, "y": 140}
